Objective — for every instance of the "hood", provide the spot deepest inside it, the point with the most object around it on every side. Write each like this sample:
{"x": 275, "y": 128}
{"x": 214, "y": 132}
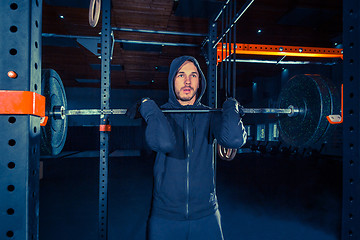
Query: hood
{"x": 175, "y": 65}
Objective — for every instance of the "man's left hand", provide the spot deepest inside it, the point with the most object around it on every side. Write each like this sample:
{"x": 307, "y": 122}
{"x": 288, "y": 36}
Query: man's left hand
{"x": 232, "y": 103}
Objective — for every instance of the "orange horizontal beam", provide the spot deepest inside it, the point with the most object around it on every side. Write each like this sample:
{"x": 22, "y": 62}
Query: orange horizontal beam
{"x": 22, "y": 102}
{"x": 224, "y": 50}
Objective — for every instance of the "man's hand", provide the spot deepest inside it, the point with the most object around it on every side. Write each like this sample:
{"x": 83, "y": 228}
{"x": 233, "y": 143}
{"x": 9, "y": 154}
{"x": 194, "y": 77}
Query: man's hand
{"x": 133, "y": 112}
{"x": 232, "y": 103}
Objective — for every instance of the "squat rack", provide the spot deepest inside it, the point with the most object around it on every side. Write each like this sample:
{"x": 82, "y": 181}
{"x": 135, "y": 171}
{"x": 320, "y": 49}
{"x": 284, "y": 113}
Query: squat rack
{"x": 20, "y": 135}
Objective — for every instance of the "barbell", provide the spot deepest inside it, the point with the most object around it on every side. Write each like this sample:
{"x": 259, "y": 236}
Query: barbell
{"x": 303, "y": 105}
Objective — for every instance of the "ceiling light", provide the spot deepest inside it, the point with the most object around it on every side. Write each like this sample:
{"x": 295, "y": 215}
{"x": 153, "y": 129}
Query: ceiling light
{"x": 61, "y": 16}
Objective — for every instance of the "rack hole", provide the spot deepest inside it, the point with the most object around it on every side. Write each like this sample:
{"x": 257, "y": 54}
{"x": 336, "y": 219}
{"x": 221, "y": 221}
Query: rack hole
{"x": 35, "y": 129}
{"x": 13, "y": 6}
{"x": 36, "y": 24}
{"x": 13, "y": 29}
{"x": 36, "y": 44}
{"x": 11, "y": 188}
{"x": 13, "y": 51}
{"x": 10, "y": 211}
{"x": 12, "y": 142}
{"x": 9, "y": 233}
{"x": 11, "y": 165}
{"x": 12, "y": 120}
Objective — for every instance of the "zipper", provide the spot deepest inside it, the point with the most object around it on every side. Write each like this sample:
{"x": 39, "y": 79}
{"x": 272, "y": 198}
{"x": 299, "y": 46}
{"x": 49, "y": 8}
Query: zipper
{"x": 187, "y": 164}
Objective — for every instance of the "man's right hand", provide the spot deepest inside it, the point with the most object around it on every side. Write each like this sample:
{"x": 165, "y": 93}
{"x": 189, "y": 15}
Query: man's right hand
{"x": 133, "y": 112}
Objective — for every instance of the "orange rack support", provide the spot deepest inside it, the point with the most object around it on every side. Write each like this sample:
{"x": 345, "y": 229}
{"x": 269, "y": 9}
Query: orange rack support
{"x": 22, "y": 102}
{"x": 224, "y": 50}
{"x": 105, "y": 128}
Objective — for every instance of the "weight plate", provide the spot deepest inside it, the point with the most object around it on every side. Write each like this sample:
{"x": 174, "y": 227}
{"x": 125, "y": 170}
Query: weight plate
{"x": 53, "y": 135}
{"x": 316, "y": 100}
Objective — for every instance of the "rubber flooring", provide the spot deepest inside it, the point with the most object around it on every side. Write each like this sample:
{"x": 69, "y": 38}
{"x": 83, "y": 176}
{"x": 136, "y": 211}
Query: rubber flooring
{"x": 260, "y": 197}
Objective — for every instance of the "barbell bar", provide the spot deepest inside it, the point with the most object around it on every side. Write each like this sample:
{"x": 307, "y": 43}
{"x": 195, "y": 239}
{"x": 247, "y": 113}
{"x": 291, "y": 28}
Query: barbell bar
{"x": 60, "y": 112}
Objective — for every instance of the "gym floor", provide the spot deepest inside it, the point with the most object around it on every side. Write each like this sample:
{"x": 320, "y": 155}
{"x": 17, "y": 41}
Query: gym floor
{"x": 260, "y": 197}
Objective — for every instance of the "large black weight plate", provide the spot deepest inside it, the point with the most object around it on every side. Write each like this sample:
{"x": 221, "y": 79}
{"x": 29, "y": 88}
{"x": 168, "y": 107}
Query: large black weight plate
{"x": 53, "y": 135}
{"x": 316, "y": 99}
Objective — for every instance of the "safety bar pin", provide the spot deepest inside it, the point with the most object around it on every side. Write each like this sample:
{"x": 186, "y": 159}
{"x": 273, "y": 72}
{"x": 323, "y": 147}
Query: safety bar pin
{"x": 337, "y": 119}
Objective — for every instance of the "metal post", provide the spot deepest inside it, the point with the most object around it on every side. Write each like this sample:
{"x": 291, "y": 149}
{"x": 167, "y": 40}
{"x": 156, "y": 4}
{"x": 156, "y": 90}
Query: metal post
{"x": 228, "y": 54}
{"x": 106, "y": 45}
{"x": 351, "y": 127}
{"x": 159, "y": 32}
{"x": 212, "y": 68}
{"x": 20, "y": 48}
{"x": 222, "y": 78}
{"x": 234, "y": 57}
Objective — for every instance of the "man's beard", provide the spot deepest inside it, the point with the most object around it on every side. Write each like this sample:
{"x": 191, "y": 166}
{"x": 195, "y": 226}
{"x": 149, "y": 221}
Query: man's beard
{"x": 187, "y": 97}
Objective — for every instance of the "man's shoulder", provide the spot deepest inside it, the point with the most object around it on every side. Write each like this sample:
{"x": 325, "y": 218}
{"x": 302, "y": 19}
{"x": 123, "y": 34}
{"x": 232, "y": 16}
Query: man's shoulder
{"x": 166, "y": 106}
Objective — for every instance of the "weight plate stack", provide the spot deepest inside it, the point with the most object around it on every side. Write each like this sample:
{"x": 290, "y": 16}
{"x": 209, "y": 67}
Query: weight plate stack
{"x": 315, "y": 99}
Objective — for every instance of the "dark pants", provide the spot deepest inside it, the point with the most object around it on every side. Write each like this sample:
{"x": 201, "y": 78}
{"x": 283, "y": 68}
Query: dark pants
{"x": 207, "y": 228}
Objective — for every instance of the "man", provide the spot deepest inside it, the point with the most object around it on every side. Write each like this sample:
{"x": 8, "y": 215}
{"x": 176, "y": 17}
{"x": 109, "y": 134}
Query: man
{"x": 184, "y": 197}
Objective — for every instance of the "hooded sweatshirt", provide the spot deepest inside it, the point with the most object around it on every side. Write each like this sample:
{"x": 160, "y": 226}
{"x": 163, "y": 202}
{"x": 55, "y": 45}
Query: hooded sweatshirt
{"x": 184, "y": 171}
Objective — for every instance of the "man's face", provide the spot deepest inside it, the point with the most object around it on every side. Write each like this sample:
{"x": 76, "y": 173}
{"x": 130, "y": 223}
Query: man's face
{"x": 186, "y": 83}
